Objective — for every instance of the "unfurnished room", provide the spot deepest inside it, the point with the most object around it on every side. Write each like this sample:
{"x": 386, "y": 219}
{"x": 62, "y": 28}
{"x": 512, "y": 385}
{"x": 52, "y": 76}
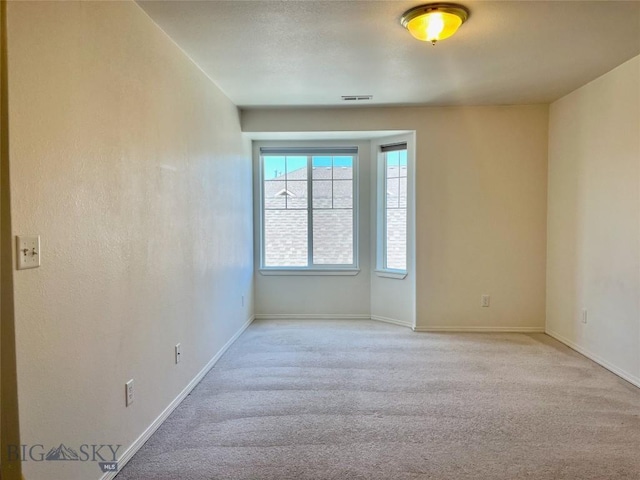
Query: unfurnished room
{"x": 319, "y": 240}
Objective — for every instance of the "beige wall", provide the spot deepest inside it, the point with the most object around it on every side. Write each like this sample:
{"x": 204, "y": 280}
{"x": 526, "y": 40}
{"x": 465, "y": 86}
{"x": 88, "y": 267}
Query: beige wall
{"x": 131, "y": 166}
{"x": 594, "y": 220}
{"x": 481, "y": 185}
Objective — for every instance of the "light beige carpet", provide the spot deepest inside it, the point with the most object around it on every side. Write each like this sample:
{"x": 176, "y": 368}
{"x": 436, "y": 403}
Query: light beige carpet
{"x": 365, "y": 400}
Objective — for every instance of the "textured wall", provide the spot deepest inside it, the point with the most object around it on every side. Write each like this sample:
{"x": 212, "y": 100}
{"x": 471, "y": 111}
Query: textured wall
{"x": 594, "y": 219}
{"x": 481, "y": 187}
{"x": 130, "y": 164}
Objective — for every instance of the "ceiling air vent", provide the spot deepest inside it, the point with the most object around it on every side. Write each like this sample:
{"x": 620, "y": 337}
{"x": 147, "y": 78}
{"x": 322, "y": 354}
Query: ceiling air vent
{"x": 355, "y": 98}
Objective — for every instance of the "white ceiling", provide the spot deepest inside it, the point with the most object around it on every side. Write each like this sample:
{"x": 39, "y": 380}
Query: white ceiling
{"x": 294, "y": 53}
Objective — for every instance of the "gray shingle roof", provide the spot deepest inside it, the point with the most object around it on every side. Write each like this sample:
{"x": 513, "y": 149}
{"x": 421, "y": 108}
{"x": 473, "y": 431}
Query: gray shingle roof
{"x": 285, "y": 217}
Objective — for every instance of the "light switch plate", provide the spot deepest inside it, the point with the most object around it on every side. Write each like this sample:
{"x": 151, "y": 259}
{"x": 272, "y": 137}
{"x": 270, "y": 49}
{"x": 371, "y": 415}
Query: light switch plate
{"x": 485, "y": 300}
{"x": 128, "y": 390}
{"x": 28, "y": 251}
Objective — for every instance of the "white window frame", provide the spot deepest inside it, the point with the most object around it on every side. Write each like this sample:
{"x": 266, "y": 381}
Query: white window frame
{"x": 381, "y": 214}
{"x": 311, "y": 268}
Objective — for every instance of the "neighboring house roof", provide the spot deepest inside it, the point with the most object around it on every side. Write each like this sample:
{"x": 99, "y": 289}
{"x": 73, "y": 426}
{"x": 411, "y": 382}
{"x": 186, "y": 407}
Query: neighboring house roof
{"x": 285, "y": 226}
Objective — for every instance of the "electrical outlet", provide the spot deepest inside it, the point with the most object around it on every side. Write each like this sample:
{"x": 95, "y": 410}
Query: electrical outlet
{"x": 28, "y": 251}
{"x": 178, "y": 347}
{"x": 584, "y": 315}
{"x": 485, "y": 300}
{"x": 129, "y": 392}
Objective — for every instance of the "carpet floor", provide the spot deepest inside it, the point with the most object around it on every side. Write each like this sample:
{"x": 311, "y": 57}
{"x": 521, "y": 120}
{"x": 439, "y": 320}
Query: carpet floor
{"x": 366, "y": 400}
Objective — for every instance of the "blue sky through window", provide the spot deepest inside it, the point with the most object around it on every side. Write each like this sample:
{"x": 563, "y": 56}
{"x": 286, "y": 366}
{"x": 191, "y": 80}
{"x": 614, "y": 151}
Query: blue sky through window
{"x": 340, "y": 161}
{"x": 273, "y": 167}
{"x": 403, "y": 158}
{"x": 396, "y": 158}
{"x": 276, "y": 166}
{"x": 296, "y": 163}
{"x": 321, "y": 161}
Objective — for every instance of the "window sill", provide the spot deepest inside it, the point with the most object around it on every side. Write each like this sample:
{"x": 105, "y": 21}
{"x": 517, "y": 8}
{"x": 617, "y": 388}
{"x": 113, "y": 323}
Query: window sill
{"x": 398, "y": 275}
{"x": 309, "y": 271}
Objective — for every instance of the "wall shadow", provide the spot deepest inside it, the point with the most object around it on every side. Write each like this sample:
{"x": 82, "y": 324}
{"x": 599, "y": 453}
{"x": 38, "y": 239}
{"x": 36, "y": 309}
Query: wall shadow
{"x": 9, "y": 421}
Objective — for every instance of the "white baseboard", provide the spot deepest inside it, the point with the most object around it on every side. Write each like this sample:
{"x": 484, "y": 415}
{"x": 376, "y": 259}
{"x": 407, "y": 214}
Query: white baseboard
{"x": 393, "y": 321}
{"x": 140, "y": 441}
{"x": 592, "y": 356}
{"x": 312, "y": 316}
{"x": 479, "y": 329}
{"x": 331, "y": 316}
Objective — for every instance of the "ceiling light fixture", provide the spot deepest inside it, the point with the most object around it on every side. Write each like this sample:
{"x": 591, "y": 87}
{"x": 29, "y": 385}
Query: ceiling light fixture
{"x": 435, "y": 21}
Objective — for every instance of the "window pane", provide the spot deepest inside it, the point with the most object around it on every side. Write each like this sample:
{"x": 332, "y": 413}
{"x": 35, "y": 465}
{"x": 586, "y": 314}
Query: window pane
{"x": 296, "y": 168}
{"x": 333, "y": 237}
{"x": 275, "y": 194}
{"x": 322, "y": 168}
{"x": 395, "y": 227}
{"x": 322, "y": 193}
{"x": 285, "y": 238}
{"x": 397, "y": 239}
{"x": 342, "y": 194}
{"x": 287, "y": 193}
{"x": 393, "y": 192}
{"x": 274, "y": 167}
{"x": 342, "y": 168}
{"x": 403, "y": 161}
{"x": 393, "y": 164}
{"x": 402, "y": 197}
{"x": 297, "y": 194}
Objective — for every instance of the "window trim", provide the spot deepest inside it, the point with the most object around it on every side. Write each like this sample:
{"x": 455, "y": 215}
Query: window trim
{"x": 381, "y": 269}
{"x": 397, "y": 274}
{"x": 302, "y": 271}
{"x": 311, "y": 268}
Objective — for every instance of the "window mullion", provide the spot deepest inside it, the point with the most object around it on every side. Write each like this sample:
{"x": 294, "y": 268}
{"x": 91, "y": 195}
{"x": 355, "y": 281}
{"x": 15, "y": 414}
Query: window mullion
{"x": 309, "y": 212}
{"x": 286, "y": 184}
{"x": 332, "y": 179}
{"x": 384, "y": 211}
